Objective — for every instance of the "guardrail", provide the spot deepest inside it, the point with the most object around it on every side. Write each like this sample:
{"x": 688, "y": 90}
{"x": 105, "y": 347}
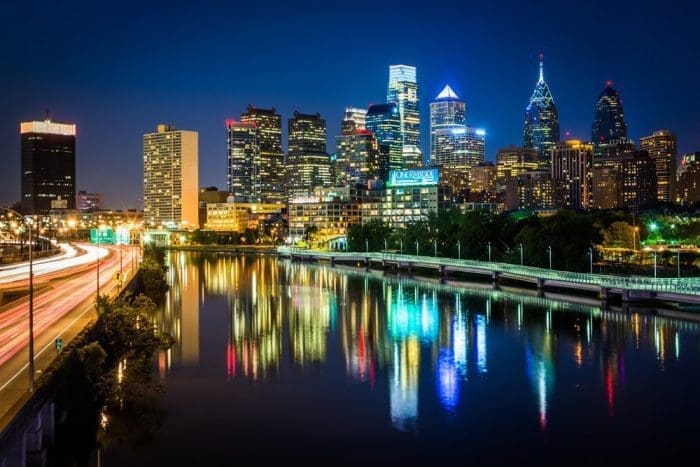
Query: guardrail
{"x": 687, "y": 285}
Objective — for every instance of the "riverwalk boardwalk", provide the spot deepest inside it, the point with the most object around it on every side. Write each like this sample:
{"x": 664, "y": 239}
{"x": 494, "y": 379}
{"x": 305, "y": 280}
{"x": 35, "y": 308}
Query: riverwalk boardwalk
{"x": 627, "y": 289}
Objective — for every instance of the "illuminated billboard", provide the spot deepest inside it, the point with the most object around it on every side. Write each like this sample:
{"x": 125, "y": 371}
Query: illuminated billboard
{"x": 414, "y": 177}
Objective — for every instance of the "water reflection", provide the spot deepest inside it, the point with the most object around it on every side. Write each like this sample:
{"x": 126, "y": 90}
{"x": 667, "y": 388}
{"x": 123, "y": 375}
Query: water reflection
{"x": 422, "y": 343}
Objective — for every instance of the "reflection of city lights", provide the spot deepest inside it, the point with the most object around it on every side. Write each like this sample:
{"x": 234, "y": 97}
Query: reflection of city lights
{"x": 403, "y": 393}
{"x": 481, "y": 344}
{"x": 448, "y": 382}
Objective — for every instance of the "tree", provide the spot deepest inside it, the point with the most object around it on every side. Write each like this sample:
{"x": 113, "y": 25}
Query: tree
{"x": 619, "y": 235}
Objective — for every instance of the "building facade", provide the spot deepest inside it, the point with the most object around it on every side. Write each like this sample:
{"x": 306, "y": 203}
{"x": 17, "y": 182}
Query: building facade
{"x": 609, "y": 120}
{"x": 270, "y": 168}
{"x": 357, "y": 116}
{"x": 48, "y": 166}
{"x": 384, "y": 122}
{"x": 529, "y": 190}
{"x": 357, "y": 158}
{"x": 688, "y": 185}
{"x": 541, "y": 127}
{"x": 511, "y": 161}
{"x": 482, "y": 183}
{"x": 447, "y": 114}
{"x": 662, "y": 147}
{"x": 88, "y": 202}
{"x": 308, "y": 163}
{"x": 572, "y": 174}
{"x": 323, "y": 217}
{"x": 403, "y": 91}
{"x": 244, "y": 163}
{"x": 170, "y": 178}
{"x": 239, "y": 217}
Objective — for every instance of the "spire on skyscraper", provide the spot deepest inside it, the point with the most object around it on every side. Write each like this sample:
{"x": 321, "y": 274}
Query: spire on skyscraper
{"x": 541, "y": 80}
{"x": 541, "y": 127}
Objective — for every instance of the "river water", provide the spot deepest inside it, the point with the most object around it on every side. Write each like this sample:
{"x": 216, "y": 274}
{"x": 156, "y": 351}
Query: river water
{"x": 280, "y": 358}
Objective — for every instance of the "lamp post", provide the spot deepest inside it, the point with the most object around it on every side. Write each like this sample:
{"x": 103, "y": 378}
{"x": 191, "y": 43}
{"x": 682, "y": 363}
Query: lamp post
{"x": 654, "y": 265}
{"x": 97, "y": 294}
{"x": 366, "y": 245}
{"x": 590, "y": 258}
{"x": 435, "y": 245}
{"x": 489, "y": 248}
{"x": 549, "y": 250}
{"x": 401, "y": 245}
{"x": 678, "y": 263}
{"x": 459, "y": 249}
{"x": 385, "y": 247}
{"x": 521, "y": 254}
{"x": 416, "y": 247}
{"x": 29, "y": 225}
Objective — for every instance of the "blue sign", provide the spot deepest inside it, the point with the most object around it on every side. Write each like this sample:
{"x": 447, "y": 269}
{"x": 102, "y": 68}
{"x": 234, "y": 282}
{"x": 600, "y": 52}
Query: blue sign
{"x": 414, "y": 177}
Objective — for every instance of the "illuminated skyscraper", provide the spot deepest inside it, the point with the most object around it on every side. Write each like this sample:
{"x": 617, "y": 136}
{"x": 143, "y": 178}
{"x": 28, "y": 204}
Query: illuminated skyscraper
{"x": 688, "y": 186}
{"x": 271, "y": 166}
{"x": 403, "y": 90}
{"x": 170, "y": 178}
{"x": 447, "y": 113}
{"x": 541, "y": 128}
{"x": 243, "y": 177}
{"x": 308, "y": 163}
{"x": 662, "y": 148}
{"x": 512, "y": 161}
{"x": 383, "y": 120}
{"x": 572, "y": 174}
{"x": 357, "y": 157}
{"x": 357, "y": 116}
{"x": 48, "y": 166}
{"x": 609, "y": 120}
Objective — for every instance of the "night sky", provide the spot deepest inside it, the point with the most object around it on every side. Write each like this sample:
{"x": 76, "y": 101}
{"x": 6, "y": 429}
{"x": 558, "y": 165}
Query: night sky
{"x": 118, "y": 69}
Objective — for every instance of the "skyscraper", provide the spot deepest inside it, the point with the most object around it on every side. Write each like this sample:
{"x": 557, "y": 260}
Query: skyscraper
{"x": 357, "y": 157}
{"x": 609, "y": 120}
{"x": 541, "y": 127}
{"x": 243, "y": 175}
{"x": 447, "y": 114}
{"x": 170, "y": 178}
{"x": 662, "y": 148}
{"x": 271, "y": 166}
{"x": 572, "y": 174}
{"x": 48, "y": 166}
{"x": 383, "y": 120}
{"x": 357, "y": 116}
{"x": 688, "y": 185}
{"x": 308, "y": 163}
{"x": 403, "y": 91}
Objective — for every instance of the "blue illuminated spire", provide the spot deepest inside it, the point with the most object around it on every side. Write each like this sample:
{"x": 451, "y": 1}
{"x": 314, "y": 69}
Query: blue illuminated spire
{"x": 541, "y": 127}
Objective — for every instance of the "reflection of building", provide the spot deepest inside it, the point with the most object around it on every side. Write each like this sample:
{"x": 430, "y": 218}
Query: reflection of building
{"x": 48, "y": 166}
{"x": 662, "y": 148}
{"x": 572, "y": 174}
{"x": 540, "y": 370}
{"x": 403, "y": 384}
{"x": 309, "y": 322}
{"x": 403, "y": 90}
{"x": 541, "y": 127}
{"x": 170, "y": 177}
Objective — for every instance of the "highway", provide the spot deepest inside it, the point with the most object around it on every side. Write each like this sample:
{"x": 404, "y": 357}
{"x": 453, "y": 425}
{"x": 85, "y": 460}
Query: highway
{"x": 61, "y": 309}
{"x": 70, "y": 258}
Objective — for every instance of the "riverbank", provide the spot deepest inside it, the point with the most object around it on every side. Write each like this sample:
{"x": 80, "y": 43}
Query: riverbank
{"x": 263, "y": 249}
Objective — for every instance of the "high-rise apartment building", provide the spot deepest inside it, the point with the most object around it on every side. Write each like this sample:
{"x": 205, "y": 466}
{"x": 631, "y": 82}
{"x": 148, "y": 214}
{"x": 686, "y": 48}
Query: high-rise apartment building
{"x": 358, "y": 158}
{"x": 572, "y": 174}
{"x": 482, "y": 183}
{"x": 48, "y": 166}
{"x": 403, "y": 91}
{"x": 688, "y": 185}
{"x": 357, "y": 116}
{"x": 170, "y": 178}
{"x": 609, "y": 120}
{"x": 384, "y": 122}
{"x": 270, "y": 169}
{"x": 541, "y": 127}
{"x": 529, "y": 190}
{"x": 511, "y": 161}
{"x": 662, "y": 147}
{"x": 244, "y": 161}
{"x": 308, "y": 163}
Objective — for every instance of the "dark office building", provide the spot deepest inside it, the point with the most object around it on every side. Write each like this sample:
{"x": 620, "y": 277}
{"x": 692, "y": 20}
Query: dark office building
{"x": 48, "y": 166}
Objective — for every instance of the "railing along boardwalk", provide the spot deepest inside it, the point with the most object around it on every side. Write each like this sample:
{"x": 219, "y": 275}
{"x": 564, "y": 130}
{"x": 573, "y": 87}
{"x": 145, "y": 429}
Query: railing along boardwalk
{"x": 681, "y": 289}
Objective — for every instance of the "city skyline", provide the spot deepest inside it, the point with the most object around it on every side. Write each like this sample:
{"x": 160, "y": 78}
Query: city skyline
{"x": 113, "y": 110}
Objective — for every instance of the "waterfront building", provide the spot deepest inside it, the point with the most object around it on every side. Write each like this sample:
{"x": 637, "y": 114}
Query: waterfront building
{"x": 170, "y": 178}
{"x": 323, "y": 216}
{"x": 688, "y": 185}
{"x": 410, "y": 195}
{"x": 308, "y": 163}
{"x": 48, "y": 166}
{"x": 237, "y": 217}
{"x": 541, "y": 127}
{"x": 572, "y": 174}
{"x": 383, "y": 120}
{"x": 623, "y": 177}
{"x": 609, "y": 120}
{"x": 209, "y": 195}
{"x": 403, "y": 91}
{"x": 662, "y": 147}
{"x": 88, "y": 202}
{"x": 270, "y": 166}
{"x": 243, "y": 175}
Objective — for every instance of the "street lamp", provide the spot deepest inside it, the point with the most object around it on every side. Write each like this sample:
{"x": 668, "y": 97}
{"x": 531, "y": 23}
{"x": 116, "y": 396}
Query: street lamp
{"x": 635, "y": 231}
{"x": 489, "y": 248}
{"x": 459, "y": 249}
{"x": 29, "y": 223}
{"x": 367, "y": 245}
{"x": 416, "y": 247}
{"x": 590, "y": 255}
{"x": 401, "y": 244}
{"x": 435, "y": 244}
{"x": 654, "y": 265}
{"x": 678, "y": 263}
{"x": 549, "y": 250}
{"x": 385, "y": 247}
{"x": 521, "y": 254}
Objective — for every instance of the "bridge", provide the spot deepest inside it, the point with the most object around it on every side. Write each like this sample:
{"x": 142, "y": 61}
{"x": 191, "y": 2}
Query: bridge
{"x": 608, "y": 287}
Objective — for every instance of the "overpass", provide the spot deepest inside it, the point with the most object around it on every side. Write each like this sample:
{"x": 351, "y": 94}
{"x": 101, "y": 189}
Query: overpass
{"x": 608, "y": 287}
